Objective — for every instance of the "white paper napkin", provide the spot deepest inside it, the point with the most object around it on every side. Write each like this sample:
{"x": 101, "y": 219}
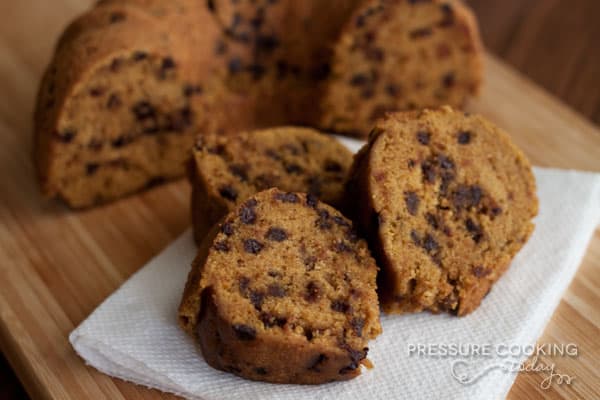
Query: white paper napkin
{"x": 134, "y": 335}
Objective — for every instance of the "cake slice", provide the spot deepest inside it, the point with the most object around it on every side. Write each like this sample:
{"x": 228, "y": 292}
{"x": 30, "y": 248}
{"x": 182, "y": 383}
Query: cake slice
{"x": 401, "y": 55}
{"x": 226, "y": 170}
{"x": 283, "y": 291}
{"x": 120, "y": 103}
{"x": 446, "y": 201}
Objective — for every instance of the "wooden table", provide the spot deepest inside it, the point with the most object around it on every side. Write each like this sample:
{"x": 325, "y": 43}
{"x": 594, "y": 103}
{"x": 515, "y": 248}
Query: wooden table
{"x": 57, "y": 266}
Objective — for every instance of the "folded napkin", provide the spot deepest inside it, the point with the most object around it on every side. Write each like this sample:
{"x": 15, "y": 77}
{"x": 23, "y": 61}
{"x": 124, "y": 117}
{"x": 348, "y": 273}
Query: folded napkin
{"x": 134, "y": 335}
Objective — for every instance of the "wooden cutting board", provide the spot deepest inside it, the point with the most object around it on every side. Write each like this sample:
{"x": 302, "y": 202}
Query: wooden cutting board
{"x": 56, "y": 266}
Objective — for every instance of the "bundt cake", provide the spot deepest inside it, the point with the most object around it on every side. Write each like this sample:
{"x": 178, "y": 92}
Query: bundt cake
{"x": 132, "y": 81}
{"x": 446, "y": 201}
{"x": 227, "y": 169}
{"x": 283, "y": 291}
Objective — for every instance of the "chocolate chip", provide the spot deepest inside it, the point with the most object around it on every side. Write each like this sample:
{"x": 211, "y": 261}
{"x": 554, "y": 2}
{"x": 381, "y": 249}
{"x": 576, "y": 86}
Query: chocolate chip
{"x": 267, "y": 43}
{"x": 464, "y": 137}
{"x": 317, "y": 362}
{"x": 465, "y": 196}
{"x": 276, "y": 290}
{"x": 96, "y": 92}
{"x": 227, "y": 228}
{"x": 271, "y": 320}
{"x": 474, "y": 229}
{"x": 222, "y": 246}
{"x": 192, "y": 90}
{"x": 340, "y": 306}
{"x": 167, "y": 63}
{"x": 113, "y": 102}
{"x": 247, "y": 213}
{"x": 311, "y": 200}
{"x": 276, "y": 234}
{"x": 323, "y": 221}
{"x": 244, "y": 332}
{"x": 252, "y": 246}
{"x": 256, "y": 70}
{"x": 313, "y": 292}
{"x": 121, "y": 141}
{"x": 139, "y": 55}
{"x": 273, "y": 154}
{"x": 357, "y": 324}
{"x": 239, "y": 171}
{"x": 243, "y": 284}
{"x": 359, "y": 80}
{"x": 293, "y": 168}
{"x": 414, "y": 235}
{"x": 286, "y": 197}
{"x": 445, "y": 162}
{"x": 423, "y": 137}
{"x": 257, "y": 298}
{"x": 412, "y": 202}
{"x": 235, "y": 65}
{"x": 429, "y": 243}
{"x": 91, "y": 168}
{"x": 320, "y": 71}
{"x": 210, "y": 4}
{"x": 428, "y": 171}
{"x": 495, "y": 211}
{"x": 480, "y": 271}
{"x": 420, "y": 33}
{"x": 392, "y": 90}
{"x": 432, "y": 220}
{"x": 228, "y": 192}
{"x": 332, "y": 166}
{"x": 448, "y": 80}
{"x": 143, "y": 110}
{"x": 342, "y": 247}
{"x": 66, "y": 136}
{"x": 341, "y": 221}
{"x": 117, "y": 17}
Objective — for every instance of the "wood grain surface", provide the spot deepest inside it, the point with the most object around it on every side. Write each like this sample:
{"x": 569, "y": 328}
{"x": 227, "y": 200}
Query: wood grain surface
{"x": 57, "y": 266}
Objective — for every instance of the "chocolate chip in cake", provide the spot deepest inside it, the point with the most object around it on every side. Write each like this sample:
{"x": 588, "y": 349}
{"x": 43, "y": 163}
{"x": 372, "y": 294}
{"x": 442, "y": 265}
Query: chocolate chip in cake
{"x": 222, "y": 246}
{"x": 333, "y": 166}
{"x": 66, "y": 136}
{"x": 235, "y": 65}
{"x": 276, "y": 290}
{"x": 247, "y": 212}
{"x": 139, "y": 55}
{"x": 423, "y": 137}
{"x": 227, "y": 228}
{"x": 228, "y": 192}
{"x": 412, "y": 202}
{"x": 244, "y": 332}
{"x": 480, "y": 271}
{"x": 311, "y": 200}
{"x": 464, "y": 137}
{"x": 276, "y": 234}
{"x": 252, "y": 246}
{"x": 323, "y": 222}
{"x": 317, "y": 362}
{"x": 357, "y": 324}
{"x": 341, "y": 306}
{"x": 286, "y": 197}
{"x": 239, "y": 171}
{"x": 270, "y": 320}
{"x": 143, "y": 110}
{"x": 474, "y": 229}
{"x": 96, "y": 91}
{"x": 257, "y": 299}
{"x": 359, "y": 80}
{"x": 430, "y": 244}
{"x": 190, "y": 90}
{"x": 448, "y": 80}
{"x": 293, "y": 168}
{"x": 342, "y": 247}
{"x": 91, "y": 168}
